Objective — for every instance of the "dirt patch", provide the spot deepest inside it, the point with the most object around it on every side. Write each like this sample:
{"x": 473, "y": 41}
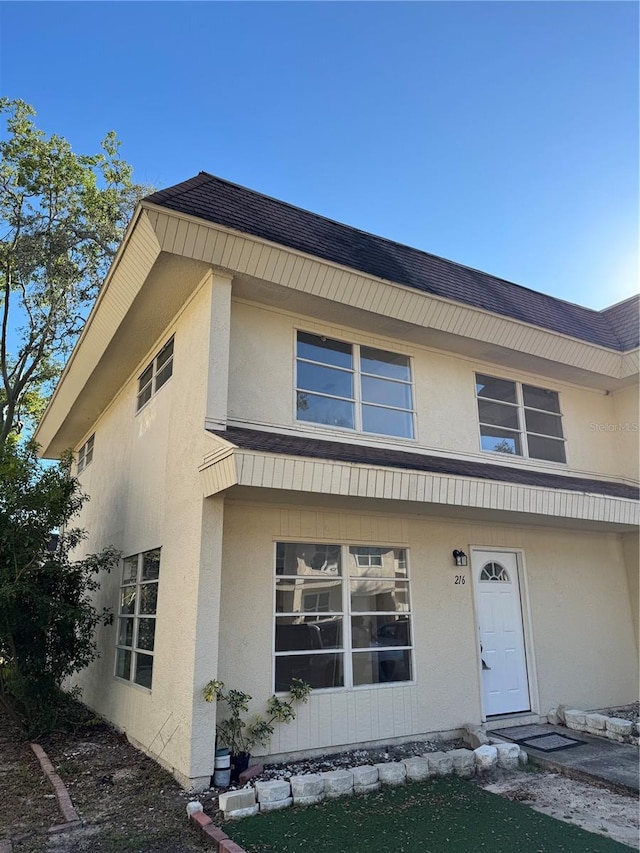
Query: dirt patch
{"x": 29, "y": 805}
{"x": 128, "y": 803}
{"x": 594, "y": 808}
{"x": 125, "y": 800}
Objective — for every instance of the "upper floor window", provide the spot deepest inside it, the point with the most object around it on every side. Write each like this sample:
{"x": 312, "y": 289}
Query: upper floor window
{"x": 353, "y": 387}
{"x": 519, "y": 419}
{"x": 156, "y": 374}
{"x": 137, "y": 617}
{"x": 85, "y": 454}
{"x": 342, "y": 615}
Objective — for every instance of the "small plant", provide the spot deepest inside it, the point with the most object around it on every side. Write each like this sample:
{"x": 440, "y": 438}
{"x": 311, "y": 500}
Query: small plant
{"x": 239, "y": 734}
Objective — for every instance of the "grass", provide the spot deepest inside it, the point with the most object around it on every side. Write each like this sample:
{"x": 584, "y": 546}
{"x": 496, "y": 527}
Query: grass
{"x": 445, "y": 815}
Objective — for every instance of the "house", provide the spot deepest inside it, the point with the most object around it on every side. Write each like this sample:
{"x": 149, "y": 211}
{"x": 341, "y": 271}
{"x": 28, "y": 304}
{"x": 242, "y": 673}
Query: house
{"x": 330, "y": 456}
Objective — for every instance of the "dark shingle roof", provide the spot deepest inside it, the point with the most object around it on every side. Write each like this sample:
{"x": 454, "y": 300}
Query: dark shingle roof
{"x": 268, "y": 442}
{"x": 623, "y": 318}
{"x": 215, "y": 200}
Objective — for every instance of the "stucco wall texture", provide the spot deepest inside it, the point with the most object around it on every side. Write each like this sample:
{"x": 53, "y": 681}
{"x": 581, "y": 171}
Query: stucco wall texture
{"x": 144, "y": 495}
{"x": 215, "y": 604}
{"x": 581, "y": 648}
{"x": 444, "y": 393}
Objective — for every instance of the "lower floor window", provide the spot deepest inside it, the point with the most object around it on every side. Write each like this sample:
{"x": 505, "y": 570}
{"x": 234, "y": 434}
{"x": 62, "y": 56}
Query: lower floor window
{"x": 342, "y": 615}
{"x": 137, "y": 617}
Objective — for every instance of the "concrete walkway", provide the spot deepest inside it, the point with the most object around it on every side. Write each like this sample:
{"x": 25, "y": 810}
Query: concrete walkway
{"x": 598, "y": 759}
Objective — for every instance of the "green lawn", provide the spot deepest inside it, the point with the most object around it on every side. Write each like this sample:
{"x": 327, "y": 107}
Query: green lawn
{"x": 442, "y": 816}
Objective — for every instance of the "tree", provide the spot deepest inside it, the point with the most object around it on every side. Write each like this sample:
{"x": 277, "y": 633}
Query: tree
{"x": 47, "y": 618}
{"x": 62, "y": 216}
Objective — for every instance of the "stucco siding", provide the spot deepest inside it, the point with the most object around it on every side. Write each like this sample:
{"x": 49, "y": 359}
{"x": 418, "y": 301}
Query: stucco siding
{"x": 444, "y": 392}
{"x": 578, "y": 623}
{"x": 630, "y": 544}
{"x": 145, "y": 493}
{"x": 625, "y": 429}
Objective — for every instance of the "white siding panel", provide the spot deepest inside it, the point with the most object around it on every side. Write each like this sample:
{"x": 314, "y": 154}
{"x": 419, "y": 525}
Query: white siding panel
{"x": 254, "y": 259}
{"x": 179, "y": 237}
{"x": 233, "y": 249}
{"x": 190, "y": 239}
{"x": 208, "y": 252}
{"x": 199, "y": 243}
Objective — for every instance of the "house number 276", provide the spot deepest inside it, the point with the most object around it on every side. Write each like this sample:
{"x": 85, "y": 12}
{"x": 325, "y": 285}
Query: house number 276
{"x": 460, "y": 579}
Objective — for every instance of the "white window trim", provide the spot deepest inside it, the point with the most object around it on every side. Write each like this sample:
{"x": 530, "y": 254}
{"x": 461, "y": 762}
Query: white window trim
{"x": 346, "y": 613}
{"x": 522, "y": 431}
{"x": 357, "y": 373}
{"x": 85, "y": 454}
{"x": 155, "y": 371}
{"x": 135, "y": 618}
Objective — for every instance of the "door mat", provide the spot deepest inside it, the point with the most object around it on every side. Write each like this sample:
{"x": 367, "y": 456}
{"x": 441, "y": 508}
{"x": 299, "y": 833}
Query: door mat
{"x": 538, "y": 737}
{"x": 518, "y": 733}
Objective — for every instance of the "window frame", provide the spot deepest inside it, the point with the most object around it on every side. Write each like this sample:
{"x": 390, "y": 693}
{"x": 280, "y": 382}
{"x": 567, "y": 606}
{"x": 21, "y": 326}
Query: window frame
{"x": 347, "y": 649}
{"x": 523, "y": 434}
{"x": 85, "y": 454}
{"x": 155, "y": 370}
{"x": 357, "y": 400}
{"x": 135, "y": 618}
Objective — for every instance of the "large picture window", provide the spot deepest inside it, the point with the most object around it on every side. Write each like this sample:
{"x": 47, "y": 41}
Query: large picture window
{"x": 518, "y": 419}
{"x": 353, "y": 387}
{"x": 155, "y": 375}
{"x": 342, "y": 615}
{"x": 137, "y": 617}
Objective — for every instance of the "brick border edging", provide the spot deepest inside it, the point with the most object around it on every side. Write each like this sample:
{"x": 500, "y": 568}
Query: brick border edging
{"x": 70, "y": 815}
{"x": 214, "y": 835}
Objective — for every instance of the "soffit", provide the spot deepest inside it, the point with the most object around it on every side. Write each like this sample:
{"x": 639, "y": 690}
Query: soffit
{"x": 137, "y": 304}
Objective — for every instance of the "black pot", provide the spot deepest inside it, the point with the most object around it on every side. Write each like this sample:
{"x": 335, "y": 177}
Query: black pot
{"x": 239, "y": 763}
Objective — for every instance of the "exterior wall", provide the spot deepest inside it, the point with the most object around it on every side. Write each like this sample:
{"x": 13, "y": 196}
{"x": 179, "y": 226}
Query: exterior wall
{"x": 626, "y": 426}
{"x": 631, "y": 553}
{"x": 577, "y": 616}
{"x": 447, "y": 418}
{"x": 145, "y": 493}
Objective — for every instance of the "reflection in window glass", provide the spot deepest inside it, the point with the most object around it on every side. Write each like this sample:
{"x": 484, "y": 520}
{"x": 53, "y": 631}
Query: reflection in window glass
{"x": 320, "y": 671}
{"x": 322, "y": 612}
{"x": 151, "y": 565}
{"x": 85, "y": 454}
{"x": 353, "y": 387}
{"x": 381, "y": 667}
{"x": 539, "y": 398}
{"x": 123, "y": 663}
{"x": 155, "y": 375}
{"x": 325, "y": 380}
{"x": 307, "y": 559}
{"x": 294, "y": 595}
{"x": 496, "y": 389}
{"x": 521, "y": 420}
{"x": 144, "y": 670}
{"x": 137, "y": 617}
{"x": 325, "y": 410}
{"x": 324, "y": 350}
{"x": 380, "y": 363}
{"x": 379, "y": 596}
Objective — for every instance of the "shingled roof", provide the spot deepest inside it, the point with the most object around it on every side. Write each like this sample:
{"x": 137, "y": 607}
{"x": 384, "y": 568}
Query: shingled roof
{"x": 215, "y": 200}
{"x": 291, "y": 445}
{"x": 623, "y": 317}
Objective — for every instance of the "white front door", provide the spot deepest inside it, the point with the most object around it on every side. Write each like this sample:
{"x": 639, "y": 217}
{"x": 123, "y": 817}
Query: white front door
{"x": 505, "y": 685}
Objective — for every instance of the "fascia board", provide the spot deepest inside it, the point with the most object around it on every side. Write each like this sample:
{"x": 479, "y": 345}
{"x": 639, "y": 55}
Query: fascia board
{"x": 102, "y": 323}
{"x": 610, "y": 361}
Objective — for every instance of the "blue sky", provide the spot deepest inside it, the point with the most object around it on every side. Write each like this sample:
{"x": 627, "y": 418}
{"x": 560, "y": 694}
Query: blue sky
{"x": 502, "y": 135}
